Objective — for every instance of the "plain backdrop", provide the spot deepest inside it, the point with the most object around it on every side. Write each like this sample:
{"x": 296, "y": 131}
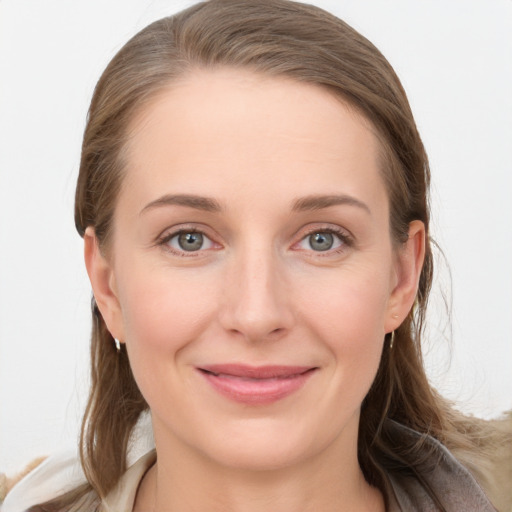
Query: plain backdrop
{"x": 455, "y": 61}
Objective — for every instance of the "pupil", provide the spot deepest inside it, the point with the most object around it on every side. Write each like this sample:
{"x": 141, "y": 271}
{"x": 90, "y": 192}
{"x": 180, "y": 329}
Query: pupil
{"x": 321, "y": 241}
{"x": 190, "y": 241}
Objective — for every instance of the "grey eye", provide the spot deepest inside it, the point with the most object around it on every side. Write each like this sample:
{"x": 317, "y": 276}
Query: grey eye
{"x": 321, "y": 241}
{"x": 190, "y": 241}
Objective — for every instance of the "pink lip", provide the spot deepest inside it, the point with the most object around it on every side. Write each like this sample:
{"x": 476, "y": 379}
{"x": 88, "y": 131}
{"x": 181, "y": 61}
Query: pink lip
{"x": 256, "y": 384}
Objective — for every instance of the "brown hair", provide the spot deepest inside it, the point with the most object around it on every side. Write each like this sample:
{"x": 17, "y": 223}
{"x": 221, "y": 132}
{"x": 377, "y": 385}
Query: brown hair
{"x": 276, "y": 38}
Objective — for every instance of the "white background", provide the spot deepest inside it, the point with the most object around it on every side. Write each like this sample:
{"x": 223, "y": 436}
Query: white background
{"x": 455, "y": 60}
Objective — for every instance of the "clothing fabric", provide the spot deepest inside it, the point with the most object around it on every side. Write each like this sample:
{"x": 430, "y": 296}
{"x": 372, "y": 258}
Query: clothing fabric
{"x": 440, "y": 477}
{"x": 440, "y": 473}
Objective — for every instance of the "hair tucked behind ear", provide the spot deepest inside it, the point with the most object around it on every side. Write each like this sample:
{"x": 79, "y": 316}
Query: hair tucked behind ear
{"x": 274, "y": 38}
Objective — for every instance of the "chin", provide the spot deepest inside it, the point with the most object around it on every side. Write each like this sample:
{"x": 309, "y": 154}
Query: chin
{"x": 267, "y": 444}
{"x": 259, "y": 452}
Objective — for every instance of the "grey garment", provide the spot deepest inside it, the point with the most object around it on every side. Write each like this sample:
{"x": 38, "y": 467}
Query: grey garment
{"x": 438, "y": 477}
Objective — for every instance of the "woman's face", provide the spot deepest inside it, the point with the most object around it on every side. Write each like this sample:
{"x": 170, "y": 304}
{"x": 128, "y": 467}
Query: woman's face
{"x": 251, "y": 273}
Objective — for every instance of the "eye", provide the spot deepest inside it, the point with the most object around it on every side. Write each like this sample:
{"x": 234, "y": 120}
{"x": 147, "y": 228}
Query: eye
{"x": 322, "y": 240}
{"x": 188, "y": 241}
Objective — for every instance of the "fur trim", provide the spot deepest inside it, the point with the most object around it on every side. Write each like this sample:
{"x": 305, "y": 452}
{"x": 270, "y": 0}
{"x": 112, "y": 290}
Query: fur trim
{"x": 491, "y": 464}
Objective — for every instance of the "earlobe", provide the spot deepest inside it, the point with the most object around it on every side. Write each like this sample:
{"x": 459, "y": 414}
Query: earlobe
{"x": 409, "y": 264}
{"x": 101, "y": 276}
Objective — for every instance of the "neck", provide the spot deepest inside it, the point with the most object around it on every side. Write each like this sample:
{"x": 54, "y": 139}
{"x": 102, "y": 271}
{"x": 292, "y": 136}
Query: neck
{"x": 189, "y": 481}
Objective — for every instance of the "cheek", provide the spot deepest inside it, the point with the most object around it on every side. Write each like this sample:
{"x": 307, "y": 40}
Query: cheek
{"x": 349, "y": 317}
{"x": 163, "y": 312}
{"x": 350, "y": 306}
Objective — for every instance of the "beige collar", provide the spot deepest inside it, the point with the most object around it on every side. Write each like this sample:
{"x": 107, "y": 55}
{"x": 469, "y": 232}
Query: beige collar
{"x": 122, "y": 496}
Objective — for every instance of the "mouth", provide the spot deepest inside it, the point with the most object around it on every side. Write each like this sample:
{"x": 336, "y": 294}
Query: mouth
{"x": 256, "y": 385}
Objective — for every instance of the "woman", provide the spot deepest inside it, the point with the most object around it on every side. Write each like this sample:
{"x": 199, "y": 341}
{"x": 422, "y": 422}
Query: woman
{"x": 253, "y": 197}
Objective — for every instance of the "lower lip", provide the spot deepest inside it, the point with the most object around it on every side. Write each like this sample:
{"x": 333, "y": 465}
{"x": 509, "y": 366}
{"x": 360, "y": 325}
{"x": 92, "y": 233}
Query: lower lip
{"x": 256, "y": 391}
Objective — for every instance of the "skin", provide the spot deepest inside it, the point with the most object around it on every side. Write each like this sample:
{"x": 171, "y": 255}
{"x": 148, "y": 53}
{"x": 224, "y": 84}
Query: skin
{"x": 257, "y": 292}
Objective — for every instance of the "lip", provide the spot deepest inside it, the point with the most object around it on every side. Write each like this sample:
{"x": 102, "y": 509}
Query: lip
{"x": 256, "y": 385}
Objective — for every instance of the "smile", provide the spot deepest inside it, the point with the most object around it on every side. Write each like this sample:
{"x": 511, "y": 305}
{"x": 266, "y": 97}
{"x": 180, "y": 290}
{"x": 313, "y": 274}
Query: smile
{"x": 256, "y": 385}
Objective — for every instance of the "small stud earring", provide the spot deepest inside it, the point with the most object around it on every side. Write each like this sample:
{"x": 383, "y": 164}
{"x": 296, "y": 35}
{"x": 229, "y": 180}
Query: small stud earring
{"x": 118, "y": 344}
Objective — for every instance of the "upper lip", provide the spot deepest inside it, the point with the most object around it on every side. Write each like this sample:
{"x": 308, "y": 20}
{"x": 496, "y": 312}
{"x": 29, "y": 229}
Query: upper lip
{"x": 256, "y": 372}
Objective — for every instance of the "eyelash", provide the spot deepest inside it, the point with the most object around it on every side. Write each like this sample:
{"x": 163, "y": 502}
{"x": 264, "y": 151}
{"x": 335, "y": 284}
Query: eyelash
{"x": 164, "y": 240}
{"x": 347, "y": 241}
{"x": 345, "y": 238}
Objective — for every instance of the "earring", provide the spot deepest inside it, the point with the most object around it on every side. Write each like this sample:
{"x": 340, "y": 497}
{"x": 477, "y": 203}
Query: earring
{"x": 118, "y": 344}
{"x": 392, "y": 340}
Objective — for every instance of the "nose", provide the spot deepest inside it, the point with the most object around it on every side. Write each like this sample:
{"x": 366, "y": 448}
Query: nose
{"x": 256, "y": 301}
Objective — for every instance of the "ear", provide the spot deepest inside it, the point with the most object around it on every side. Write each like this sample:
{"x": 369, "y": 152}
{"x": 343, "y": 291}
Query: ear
{"x": 409, "y": 262}
{"x": 101, "y": 276}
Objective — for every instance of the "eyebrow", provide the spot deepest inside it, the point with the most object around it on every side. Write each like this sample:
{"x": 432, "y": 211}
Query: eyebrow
{"x": 208, "y": 204}
{"x": 318, "y": 202}
{"x": 191, "y": 201}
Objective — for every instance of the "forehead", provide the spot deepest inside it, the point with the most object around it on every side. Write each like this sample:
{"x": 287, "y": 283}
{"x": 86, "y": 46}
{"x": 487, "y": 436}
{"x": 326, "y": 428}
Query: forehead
{"x": 223, "y": 129}
{"x": 228, "y": 95}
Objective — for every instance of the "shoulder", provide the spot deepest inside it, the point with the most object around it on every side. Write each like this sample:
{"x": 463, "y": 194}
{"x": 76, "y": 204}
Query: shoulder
{"x": 433, "y": 479}
{"x": 7, "y": 483}
{"x": 491, "y": 462}
{"x": 42, "y": 480}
